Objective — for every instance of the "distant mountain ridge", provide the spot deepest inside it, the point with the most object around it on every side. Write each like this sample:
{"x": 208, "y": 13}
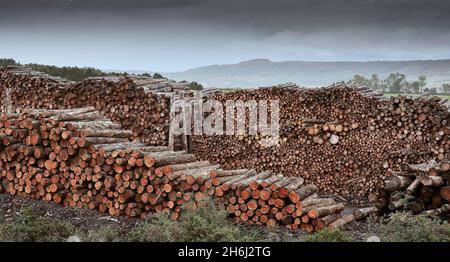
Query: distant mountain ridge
{"x": 263, "y": 72}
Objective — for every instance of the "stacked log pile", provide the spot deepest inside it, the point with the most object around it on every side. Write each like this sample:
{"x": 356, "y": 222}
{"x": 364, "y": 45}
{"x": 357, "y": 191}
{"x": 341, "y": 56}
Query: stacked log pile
{"x": 148, "y": 84}
{"x": 125, "y": 103}
{"x": 343, "y": 139}
{"x": 128, "y": 101}
{"x": 417, "y": 188}
{"x": 80, "y": 158}
{"x": 270, "y": 199}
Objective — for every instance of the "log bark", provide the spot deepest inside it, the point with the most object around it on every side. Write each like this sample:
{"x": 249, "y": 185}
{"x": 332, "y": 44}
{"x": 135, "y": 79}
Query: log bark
{"x": 362, "y": 213}
{"x": 445, "y": 193}
{"x": 328, "y": 210}
{"x": 412, "y": 187}
{"x": 431, "y": 181}
{"x": 342, "y": 221}
{"x": 395, "y": 183}
{"x": 306, "y": 191}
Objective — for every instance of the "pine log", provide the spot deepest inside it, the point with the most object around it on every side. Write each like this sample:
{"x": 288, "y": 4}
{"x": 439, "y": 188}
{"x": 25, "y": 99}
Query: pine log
{"x": 317, "y": 202}
{"x": 166, "y": 160}
{"x": 305, "y": 191}
{"x": 108, "y": 133}
{"x": 362, "y": 213}
{"x": 328, "y": 210}
{"x": 339, "y": 223}
{"x": 412, "y": 187}
{"x": 326, "y": 220}
{"x": 445, "y": 193}
{"x": 431, "y": 181}
{"x": 395, "y": 183}
{"x": 444, "y": 209}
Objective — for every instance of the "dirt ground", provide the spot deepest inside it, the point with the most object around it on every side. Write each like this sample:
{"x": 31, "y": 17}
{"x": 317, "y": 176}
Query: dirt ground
{"x": 83, "y": 219}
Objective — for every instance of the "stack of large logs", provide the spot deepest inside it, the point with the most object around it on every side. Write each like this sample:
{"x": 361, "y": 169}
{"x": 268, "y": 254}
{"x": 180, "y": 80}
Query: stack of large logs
{"x": 345, "y": 140}
{"x": 80, "y": 158}
{"x": 417, "y": 188}
{"x": 127, "y": 101}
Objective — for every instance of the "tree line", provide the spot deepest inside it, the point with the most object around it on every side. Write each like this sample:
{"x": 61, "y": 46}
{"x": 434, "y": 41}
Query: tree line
{"x": 79, "y": 73}
{"x": 68, "y": 72}
{"x": 396, "y": 83}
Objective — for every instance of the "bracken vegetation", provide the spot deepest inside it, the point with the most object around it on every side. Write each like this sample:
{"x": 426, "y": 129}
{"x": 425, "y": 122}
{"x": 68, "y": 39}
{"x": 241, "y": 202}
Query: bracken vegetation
{"x": 402, "y": 227}
{"x": 330, "y": 235}
{"x": 208, "y": 223}
{"x": 32, "y": 227}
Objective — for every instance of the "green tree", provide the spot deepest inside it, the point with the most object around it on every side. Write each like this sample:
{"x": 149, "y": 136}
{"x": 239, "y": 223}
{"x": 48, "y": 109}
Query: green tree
{"x": 407, "y": 87}
{"x": 446, "y": 88}
{"x": 157, "y": 76}
{"x": 7, "y": 62}
{"x": 415, "y": 87}
{"x": 68, "y": 72}
{"x": 375, "y": 82}
{"x": 195, "y": 86}
{"x": 422, "y": 82}
{"x": 395, "y": 82}
{"x": 359, "y": 80}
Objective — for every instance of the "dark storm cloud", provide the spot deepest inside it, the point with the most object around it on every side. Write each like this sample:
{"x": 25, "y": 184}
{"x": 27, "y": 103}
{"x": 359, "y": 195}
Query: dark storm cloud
{"x": 198, "y": 32}
{"x": 262, "y": 13}
{"x": 100, "y": 5}
{"x": 263, "y": 10}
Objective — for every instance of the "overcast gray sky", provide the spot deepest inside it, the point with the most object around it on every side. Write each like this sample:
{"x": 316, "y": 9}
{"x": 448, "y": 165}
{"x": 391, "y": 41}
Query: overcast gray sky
{"x": 172, "y": 35}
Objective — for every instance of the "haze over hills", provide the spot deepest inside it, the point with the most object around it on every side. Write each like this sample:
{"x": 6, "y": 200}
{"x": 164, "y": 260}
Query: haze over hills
{"x": 263, "y": 72}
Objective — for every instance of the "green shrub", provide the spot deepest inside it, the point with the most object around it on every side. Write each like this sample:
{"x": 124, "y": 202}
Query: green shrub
{"x": 31, "y": 227}
{"x": 402, "y": 227}
{"x": 157, "y": 76}
{"x": 330, "y": 235}
{"x": 207, "y": 223}
{"x": 273, "y": 234}
{"x": 210, "y": 223}
{"x": 104, "y": 234}
{"x": 156, "y": 228}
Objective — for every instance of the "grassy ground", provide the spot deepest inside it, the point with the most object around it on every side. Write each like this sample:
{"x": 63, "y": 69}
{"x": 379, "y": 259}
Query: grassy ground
{"x": 412, "y": 95}
{"x": 34, "y": 220}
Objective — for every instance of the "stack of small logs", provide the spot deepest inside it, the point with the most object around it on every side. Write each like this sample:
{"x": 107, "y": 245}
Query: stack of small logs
{"x": 270, "y": 199}
{"x": 124, "y": 100}
{"x": 417, "y": 188}
{"x": 80, "y": 158}
{"x": 343, "y": 139}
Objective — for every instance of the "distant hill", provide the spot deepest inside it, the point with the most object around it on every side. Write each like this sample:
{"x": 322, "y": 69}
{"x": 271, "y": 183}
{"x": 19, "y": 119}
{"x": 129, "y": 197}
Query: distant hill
{"x": 263, "y": 72}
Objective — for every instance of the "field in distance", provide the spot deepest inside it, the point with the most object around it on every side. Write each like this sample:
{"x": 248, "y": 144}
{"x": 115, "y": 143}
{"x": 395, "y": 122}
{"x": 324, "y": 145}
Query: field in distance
{"x": 413, "y": 95}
